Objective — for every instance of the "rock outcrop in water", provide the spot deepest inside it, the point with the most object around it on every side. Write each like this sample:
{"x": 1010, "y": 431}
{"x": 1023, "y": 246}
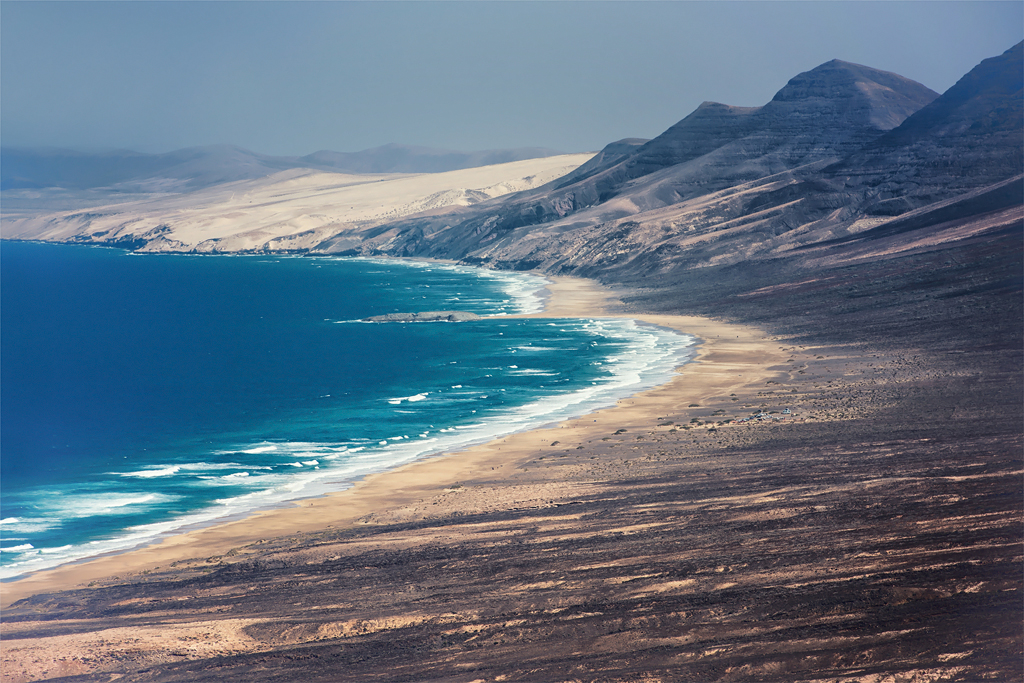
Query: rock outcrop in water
{"x": 425, "y": 317}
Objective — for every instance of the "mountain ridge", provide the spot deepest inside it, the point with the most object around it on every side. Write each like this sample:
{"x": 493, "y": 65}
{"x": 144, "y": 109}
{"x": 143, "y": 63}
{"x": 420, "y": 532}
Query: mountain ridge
{"x": 839, "y": 150}
{"x": 714, "y": 147}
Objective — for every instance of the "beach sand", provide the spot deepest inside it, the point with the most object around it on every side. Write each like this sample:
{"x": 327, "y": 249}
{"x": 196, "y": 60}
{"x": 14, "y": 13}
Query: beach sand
{"x": 870, "y": 534}
{"x": 729, "y": 357}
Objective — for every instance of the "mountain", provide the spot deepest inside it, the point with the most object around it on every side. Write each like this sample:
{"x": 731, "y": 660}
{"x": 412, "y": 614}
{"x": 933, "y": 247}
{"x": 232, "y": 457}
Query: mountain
{"x": 293, "y": 210}
{"x": 971, "y": 136}
{"x": 819, "y": 117}
{"x": 843, "y": 154}
{"x": 200, "y": 167}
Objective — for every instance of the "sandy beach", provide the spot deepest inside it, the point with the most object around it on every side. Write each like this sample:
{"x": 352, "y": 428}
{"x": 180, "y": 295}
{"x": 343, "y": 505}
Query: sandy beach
{"x": 729, "y": 357}
{"x": 826, "y": 486}
{"x": 872, "y": 512}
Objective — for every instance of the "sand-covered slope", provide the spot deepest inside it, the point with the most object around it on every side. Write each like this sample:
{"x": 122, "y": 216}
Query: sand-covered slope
{"x": 291, "y": 210}
{"x": 395, "y": 158}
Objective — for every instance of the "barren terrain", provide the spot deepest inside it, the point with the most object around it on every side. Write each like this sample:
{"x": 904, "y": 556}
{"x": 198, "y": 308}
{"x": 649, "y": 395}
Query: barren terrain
{"x": 834, "y": 491}
{"x": 871, "y": 534}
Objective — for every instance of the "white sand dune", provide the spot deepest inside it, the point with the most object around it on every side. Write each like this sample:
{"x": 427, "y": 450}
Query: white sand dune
{"x": 294, "y": 209}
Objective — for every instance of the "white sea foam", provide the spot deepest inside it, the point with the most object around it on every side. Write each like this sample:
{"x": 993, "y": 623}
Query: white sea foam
{"x": 150, "y": 473}
{"x": 52, "y": 551}
{"x": 28, "y": 525}
{"x": 265, "y": 448}
{"x": 523, "y": 292}
{"x": 60, "y": 506}
{"x": 96, "y": 504}
{"x": 245, "y": 477}
{"x": 409, "y": 399}
{"x": 189, "y": 469}
{"x": 285, "y": 449}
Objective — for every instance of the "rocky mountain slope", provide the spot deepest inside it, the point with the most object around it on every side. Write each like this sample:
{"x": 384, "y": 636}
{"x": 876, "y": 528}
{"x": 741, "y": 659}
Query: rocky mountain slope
{"x": 819, "y": 116}
{"x": 842, "y": 155}
{"x": 727, "y": 186}
{"x": 970, "y": 137}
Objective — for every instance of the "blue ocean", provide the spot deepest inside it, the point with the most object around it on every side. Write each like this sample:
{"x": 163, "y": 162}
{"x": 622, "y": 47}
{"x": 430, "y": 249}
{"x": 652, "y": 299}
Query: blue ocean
{"x": 141, "y": 394}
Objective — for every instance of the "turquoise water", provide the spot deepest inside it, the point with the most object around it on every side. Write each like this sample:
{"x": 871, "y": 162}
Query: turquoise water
{"x": 144, "y": 393}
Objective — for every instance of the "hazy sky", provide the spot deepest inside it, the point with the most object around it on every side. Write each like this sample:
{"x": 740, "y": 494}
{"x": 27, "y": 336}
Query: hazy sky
{"x": 296, "y": 77}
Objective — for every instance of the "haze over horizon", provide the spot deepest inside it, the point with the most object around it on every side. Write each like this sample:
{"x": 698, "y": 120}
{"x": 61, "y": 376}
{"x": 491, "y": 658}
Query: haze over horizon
{"x": 294, "y": 78}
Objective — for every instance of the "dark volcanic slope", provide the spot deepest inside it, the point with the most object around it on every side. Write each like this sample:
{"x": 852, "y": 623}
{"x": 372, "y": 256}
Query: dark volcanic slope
{"x": 610, "y": 155}
{"x": 971, "y": 136}
{"x": 750, "y": 185}
{"x": 987, "y": 101}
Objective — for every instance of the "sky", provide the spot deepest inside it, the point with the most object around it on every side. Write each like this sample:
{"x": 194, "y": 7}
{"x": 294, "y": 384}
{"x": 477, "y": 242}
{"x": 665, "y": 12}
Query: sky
{"x": 291, "y": 78}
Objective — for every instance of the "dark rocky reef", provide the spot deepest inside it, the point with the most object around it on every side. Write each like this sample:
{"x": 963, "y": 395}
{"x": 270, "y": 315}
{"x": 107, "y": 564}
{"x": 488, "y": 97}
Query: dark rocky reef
{"x": 424, "y": 317}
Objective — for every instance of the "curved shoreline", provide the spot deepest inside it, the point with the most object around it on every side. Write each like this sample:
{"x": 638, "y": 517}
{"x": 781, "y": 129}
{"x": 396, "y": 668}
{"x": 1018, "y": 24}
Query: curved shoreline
{"x": 728, "y": 357}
